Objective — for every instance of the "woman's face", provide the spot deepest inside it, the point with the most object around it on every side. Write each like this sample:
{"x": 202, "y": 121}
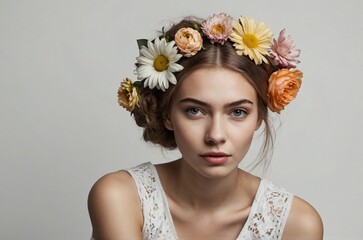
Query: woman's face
{"x": 214, "y": 116}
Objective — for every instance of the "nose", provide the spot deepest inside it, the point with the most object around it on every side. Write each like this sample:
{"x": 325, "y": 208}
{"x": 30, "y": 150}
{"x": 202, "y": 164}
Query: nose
{"x": 215, "y": 133}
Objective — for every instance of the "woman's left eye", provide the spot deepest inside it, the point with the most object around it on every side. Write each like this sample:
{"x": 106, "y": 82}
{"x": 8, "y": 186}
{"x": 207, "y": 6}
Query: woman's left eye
{"x": 238, "y": 113}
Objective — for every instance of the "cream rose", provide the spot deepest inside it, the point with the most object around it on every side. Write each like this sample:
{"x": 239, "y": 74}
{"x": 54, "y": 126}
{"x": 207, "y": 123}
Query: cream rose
{"x": 284, "y": 85}
{"x": 189, "y": 41}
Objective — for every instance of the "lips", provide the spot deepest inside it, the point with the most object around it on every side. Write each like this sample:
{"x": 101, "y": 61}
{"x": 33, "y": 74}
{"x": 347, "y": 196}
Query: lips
{"x": 215, "y": 158}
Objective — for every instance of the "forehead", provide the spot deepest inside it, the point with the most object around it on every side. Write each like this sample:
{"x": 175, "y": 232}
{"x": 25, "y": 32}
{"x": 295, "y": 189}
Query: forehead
{"x": 216, "y": 85}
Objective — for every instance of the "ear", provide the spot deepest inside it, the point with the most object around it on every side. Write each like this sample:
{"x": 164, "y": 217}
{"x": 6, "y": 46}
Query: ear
{"x": 168, "y": 123}
{"x": 258, "y": 124}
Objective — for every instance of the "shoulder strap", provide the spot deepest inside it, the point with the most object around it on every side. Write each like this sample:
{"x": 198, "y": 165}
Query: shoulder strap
{"x": 269, "y": 212}
{"x": 157, "y": 224}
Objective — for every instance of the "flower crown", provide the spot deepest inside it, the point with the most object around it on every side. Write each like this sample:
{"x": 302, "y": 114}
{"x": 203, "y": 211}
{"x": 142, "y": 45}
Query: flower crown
{"x": 158, "y": 60}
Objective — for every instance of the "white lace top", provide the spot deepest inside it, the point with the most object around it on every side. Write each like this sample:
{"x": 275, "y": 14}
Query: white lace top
{"x": 266, "y": 220}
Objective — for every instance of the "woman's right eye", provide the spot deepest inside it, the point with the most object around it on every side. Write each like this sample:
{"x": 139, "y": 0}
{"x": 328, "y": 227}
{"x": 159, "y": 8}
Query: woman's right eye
{"x": 195, "y": 112}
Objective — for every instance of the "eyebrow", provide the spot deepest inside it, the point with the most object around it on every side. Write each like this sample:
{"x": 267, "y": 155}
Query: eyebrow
{"x": 232, "y": 104}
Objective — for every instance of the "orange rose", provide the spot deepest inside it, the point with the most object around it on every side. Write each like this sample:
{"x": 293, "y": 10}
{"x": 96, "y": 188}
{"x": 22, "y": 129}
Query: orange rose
{"x": 189, "y": 41}
{"x": 283, "y": 87}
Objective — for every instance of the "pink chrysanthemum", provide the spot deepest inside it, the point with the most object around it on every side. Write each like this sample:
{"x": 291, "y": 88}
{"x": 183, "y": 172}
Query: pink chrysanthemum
{"x": 218, "y": 27}
{"x": 283, "y": 51}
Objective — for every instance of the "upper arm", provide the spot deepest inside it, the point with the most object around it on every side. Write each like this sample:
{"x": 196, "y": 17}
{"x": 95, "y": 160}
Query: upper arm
{"x": 303, "y": 223}
{"x": 114, "y": 208}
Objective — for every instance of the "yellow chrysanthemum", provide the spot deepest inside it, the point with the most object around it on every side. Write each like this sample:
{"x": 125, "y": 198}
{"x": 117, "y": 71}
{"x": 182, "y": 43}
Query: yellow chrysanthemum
{"x": 128, "y": 96}
{"x": 251, "y": 40}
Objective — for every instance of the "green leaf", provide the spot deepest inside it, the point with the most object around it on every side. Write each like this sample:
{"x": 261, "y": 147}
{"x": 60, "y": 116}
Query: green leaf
{"x": 141, "y": 42}
{"x": 138, "y": 84}
{"x": 167, "y": 39}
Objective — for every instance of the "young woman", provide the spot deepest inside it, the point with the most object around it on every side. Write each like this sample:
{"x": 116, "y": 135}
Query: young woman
{"x": 205, "y": 87}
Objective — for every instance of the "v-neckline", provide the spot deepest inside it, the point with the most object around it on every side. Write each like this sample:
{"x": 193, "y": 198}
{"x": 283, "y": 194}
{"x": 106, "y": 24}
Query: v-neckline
{"x": 170, "y": 218}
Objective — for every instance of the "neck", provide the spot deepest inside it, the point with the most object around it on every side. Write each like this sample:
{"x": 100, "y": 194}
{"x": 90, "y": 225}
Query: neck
{"x": 201, "y": 192}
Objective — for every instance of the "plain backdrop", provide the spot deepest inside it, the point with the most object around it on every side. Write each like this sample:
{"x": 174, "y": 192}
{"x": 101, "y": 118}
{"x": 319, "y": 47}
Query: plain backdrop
{"x": 61, "y": 63}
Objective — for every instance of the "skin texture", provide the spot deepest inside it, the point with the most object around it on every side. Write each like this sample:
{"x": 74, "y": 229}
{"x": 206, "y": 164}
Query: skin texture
{"x": 214, "y": 110}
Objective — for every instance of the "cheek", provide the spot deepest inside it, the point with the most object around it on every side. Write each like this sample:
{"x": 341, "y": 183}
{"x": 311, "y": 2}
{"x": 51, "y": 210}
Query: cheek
{"x": 186, "y": 134}
{"x": 184, "y": 142}
{"x": 243, "y": 136}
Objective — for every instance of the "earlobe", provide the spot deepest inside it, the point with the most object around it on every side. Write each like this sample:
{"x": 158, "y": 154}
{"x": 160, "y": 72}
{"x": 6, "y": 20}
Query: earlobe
{"x": 168, "y": 124}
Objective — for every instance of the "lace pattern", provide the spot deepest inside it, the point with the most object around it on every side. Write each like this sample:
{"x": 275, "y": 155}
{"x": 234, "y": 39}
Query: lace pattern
{"x": 157, "y": 218}
{"x": 268, "y": 214}
{"x": 266, "y": 220}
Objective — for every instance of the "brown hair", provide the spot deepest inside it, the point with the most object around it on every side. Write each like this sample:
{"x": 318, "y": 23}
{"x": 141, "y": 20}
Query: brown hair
{"x": 155, "y": 104}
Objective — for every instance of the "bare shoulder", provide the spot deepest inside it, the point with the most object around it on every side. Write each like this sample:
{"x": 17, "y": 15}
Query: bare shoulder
{"x": 303, "y": 223}
{"x": 114, "y": 207}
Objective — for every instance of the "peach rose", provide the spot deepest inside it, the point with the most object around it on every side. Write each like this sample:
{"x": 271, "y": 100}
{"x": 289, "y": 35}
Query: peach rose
{"x": 189, "y": 41}
{"x": 283, "y": 87}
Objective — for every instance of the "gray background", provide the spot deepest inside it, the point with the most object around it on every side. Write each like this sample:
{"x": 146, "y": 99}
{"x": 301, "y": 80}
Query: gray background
{"x": 61, "y": 128}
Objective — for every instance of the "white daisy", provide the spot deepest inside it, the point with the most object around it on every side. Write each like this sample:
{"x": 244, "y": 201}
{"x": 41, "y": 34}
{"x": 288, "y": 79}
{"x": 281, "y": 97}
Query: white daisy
{"x": 157, "y": 62}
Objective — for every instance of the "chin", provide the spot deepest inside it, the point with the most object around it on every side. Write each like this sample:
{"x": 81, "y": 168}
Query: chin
{"x": 216, "y": 172}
